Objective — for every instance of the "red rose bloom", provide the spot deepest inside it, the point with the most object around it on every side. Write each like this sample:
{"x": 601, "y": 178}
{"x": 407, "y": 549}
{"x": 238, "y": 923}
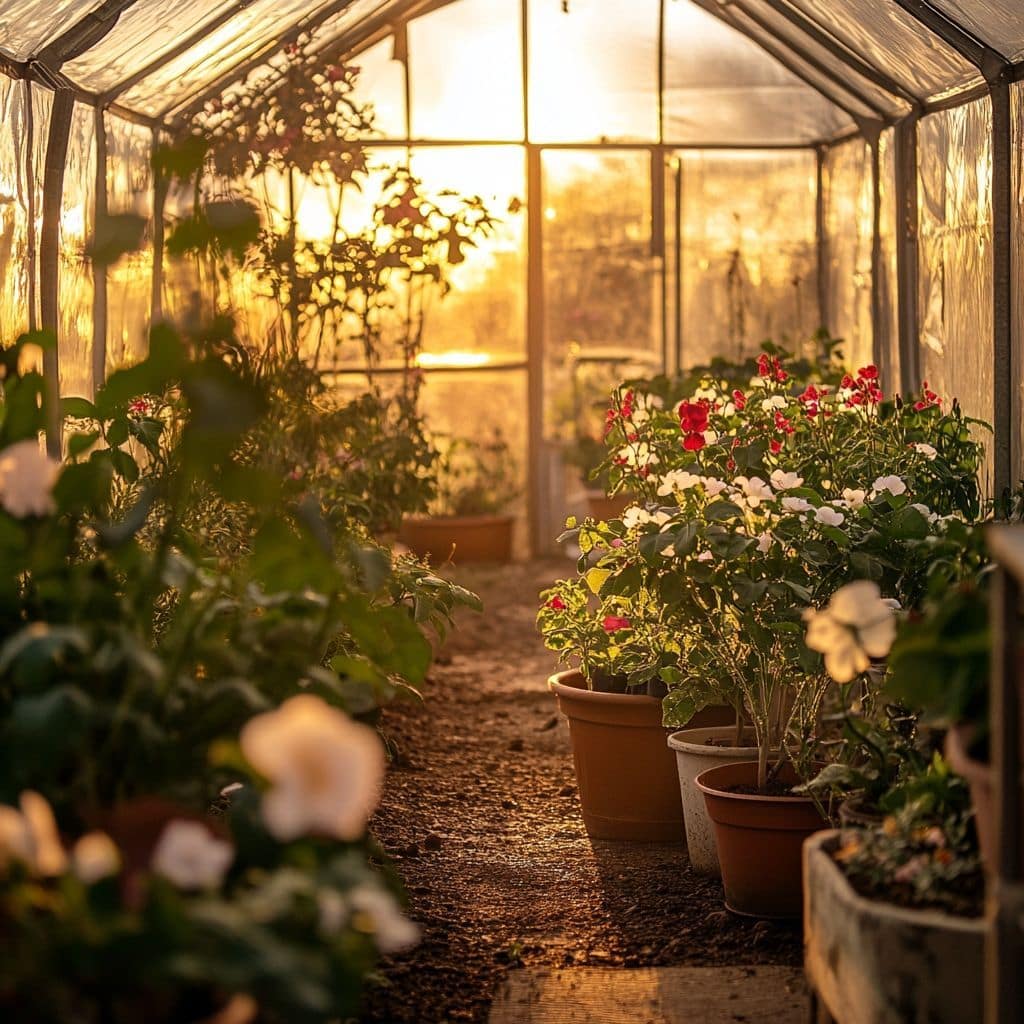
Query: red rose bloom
{"x": 556, "y": 604}
{"x": 693, "y": 416}
{"x": 613, "y": 623}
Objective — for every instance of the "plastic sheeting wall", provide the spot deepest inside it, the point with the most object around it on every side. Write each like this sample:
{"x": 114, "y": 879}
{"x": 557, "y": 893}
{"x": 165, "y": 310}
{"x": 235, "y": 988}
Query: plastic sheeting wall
{"x": 849, "y": 219}
{"x": 748, "y": 267}
{"x": 15, "y": 186}
{"x": 888, "y": 345}
{"x": 1017, "y": 359}
{"x": 955, "y": 255}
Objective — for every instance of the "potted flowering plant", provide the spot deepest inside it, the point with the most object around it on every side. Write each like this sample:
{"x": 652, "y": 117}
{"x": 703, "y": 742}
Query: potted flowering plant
{"x": 469, "y": 520}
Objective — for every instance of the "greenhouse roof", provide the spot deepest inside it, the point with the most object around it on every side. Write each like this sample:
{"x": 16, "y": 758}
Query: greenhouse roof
{"x": 726, "y": 70}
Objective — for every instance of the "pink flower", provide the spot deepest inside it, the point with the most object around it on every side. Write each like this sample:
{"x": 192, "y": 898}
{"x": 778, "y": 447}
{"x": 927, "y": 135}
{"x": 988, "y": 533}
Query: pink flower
{"x": 613, "y": 623}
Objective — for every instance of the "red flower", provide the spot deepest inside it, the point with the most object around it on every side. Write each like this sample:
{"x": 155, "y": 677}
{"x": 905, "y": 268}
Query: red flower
{"x": 556, "y": 604}
{"x": 693, "y": 442}
{"x": 811, "y": 394}
{"x": 783, "y": 424}
{"x": 138, "y": 407}
{"x": 929, "y": 399}
{"x": 848, "y": 381}
{"x": 776, "y": 447}
{"x": 693, "y": 416}
{"x": 730, "y": 464}
{"x": 771, "y": 367}
{"x": 764, "y": 367}
{"x": 869, "y": 372}
{"x": 739, "y": 400}
{"x": 613, "y": 623}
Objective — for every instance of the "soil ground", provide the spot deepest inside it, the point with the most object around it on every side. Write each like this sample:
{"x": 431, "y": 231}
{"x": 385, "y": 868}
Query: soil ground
{"x": 481, "y": 817}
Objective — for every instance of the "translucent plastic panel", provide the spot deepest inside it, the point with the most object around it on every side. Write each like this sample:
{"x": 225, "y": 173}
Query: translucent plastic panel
{"x": 1000, "y": 23}
{"x": 722, "y": 87}
{"x": 885, "y": 36}
{"x": 77, "y": 224}
{"x": 797, "y": 40}
{"x": 593, "y": 71}
{"x": 748, "y": 264}
{"x": 465, "y": 63}
{"x": 1017, "y": 412}
{"x": 381, "y": 85}
{"x": 888, "y": 344}
{"x": 129, "y": 281}
{"x": 224, "y": 48}
{"x": 27, "y": 25}
{"x": 42, "y": 107}
{"x": 15, "y": 187}
{"x": 144, "y": 32}
{"x": 602, "y": 285}
{"x": 955, "y": 261}
{"x": 849, "y": 228}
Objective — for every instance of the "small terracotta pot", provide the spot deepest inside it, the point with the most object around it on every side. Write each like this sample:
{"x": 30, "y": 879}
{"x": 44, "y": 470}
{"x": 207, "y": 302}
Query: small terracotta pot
{"x": 759, "y": 840}
{"x": 625, "y": 772}
{"x": 695, "y": 754}
{"x": 603, "y": 508}
{"x": 459, "y": 539}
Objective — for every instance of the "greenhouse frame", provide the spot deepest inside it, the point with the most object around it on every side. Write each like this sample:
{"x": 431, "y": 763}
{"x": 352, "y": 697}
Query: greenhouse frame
{"x": 915, "y": 133}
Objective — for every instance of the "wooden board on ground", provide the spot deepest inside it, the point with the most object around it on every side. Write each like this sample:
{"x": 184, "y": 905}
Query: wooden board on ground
{"x": 660, "y": 995}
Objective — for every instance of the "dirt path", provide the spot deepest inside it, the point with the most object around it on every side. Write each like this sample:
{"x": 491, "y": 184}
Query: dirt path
{"x": 482, "y": 818}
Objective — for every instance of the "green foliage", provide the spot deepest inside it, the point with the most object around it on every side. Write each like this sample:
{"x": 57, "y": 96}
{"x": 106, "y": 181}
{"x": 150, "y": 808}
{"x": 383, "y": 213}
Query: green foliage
{"x": 475, "y": 477}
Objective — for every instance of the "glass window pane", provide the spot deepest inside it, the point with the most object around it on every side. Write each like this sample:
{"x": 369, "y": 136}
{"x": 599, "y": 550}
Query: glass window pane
{"x": 721, "y": 87}
{"x": 955, "y": 255}
{"x": 593, "y": 71}
{"x": 849, "y": 217}
{"x": 465, "y": 65}
{"x": 748, "y": 263}
{"x": 381, "y": 85}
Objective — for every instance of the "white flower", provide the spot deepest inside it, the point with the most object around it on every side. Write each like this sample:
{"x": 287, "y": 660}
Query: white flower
{"x": 705, "y": 556}
{"x": 764, "y": 542}
{"x": 668, "y": 552}
{"x": 754, "y": 489}
{"x": 677, "y": 480}
{"x": 775, "y": 402}
{"x": 854, "y": 497}
{"x": 783, "y": 481}
{"x": 635, "y": 516}
{"x": 829, "y": 516}
{"x": 31, "y": 836}
{"x": 756, "y": 382}
{"x": 639, "y": 455}
{"x": 643, "y": 405}
{"x": 325, "y": 770}
{"x": 856, "y": 626}
{"x": 705, "y": 393}
{"x": 375, "y": 910}
{"x": 94, "y": 857}
{"x": 27, "y": 477}
{"x": 713, "y": 486}
{"x": 728, "y": 409}
{"x": 932, "y": 517}
{"x": 926, "y": 450}
{"x": 796, "y": 505}
{"x": 190, "y": 856}
{"x": 710, "y": 436}
{"x": 893, "y": 484}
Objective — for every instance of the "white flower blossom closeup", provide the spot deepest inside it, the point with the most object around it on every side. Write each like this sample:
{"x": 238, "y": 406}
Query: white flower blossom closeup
{"x": 325, "y": 770}
{"x": 783, "y": 481}
{"x": 190, "y": 856}
{"x": 926, "y": 450}
{"x": 713, "y": 486}
{"x": 677, "y": 480}
{"x": 893, "y": 484}
{"x": 639, "y": 455}
{"x": 30, "y": 836}
{"x": 854, "y": 497}
{"x": 796, "y": 505}
{"x": 754, "y": 489}
{"x": 773, "y": 403}
{"x": 857, "y": 625}
{"x": 27, "y": 477}
{"x": 764, "y": 542}
{"x": 95, "y": 857}
{"x": 829, "y": 516}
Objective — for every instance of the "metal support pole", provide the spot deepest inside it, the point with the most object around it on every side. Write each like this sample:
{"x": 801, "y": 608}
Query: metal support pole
{"x": 535, "y": 320}
{"x": 880, "y": 341}
{"x": 30, "y": 202}
{"x": 99, "y": 269}
{"x": 821, "y": 240}
{"x": 161, "y": 184}
{"x": 678, "y": 257}
{"x": 49, "y": 257}
{"x": 906, "y": 253}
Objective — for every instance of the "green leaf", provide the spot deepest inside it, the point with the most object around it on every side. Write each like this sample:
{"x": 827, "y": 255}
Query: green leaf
{"x": 595, "y": 579}
{"x": 78, "y": 444}
{"x": 78, "y": 408}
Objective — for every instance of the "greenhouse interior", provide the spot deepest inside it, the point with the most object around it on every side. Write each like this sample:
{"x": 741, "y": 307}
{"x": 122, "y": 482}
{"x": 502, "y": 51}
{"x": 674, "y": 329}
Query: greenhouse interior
{"x": 512, "y": 511}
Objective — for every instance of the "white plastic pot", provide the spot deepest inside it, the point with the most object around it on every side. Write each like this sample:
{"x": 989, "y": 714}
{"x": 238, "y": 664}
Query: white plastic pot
{"x": 697, "y": 750}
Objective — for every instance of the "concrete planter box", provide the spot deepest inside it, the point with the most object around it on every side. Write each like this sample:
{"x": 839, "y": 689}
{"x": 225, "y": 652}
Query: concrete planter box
{"x": 875, "y": 963}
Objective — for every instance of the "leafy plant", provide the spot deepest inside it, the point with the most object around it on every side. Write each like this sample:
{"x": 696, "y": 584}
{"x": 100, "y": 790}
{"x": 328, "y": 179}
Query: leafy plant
{"x": 475, "y": 477}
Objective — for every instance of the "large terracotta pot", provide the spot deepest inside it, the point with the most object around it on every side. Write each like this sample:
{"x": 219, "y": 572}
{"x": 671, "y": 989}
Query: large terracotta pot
{"x": 459, "y": 539}
{"x": 625, "y": 771}
{"x": 759, "y": 840}
{"x": 697, "y": 750}
{"x": 874, "y": 963}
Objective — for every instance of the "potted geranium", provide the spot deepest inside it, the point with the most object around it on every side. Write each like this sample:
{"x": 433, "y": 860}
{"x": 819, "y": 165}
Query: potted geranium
{"x": 470, "y": 520}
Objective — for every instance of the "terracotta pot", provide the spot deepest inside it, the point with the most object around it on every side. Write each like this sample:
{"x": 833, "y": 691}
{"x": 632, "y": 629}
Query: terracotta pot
{"x": 979, "y": 778}
{"x": 874, "y": 963}
{"x": 854, "y": 814}
{"x": 459, "y": 539}
{"x": 697, "y": 750}
{"x": 603, "y": 508}
{"x": 625, "y": 772}
{"x": 759, "y": 840}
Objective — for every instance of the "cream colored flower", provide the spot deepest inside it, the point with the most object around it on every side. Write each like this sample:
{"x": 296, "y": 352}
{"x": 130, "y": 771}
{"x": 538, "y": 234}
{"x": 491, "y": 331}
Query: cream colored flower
{"x": 796, "y": 505}
{"x": 783, "y": 481}
{"x": 31, "y": 836}
{"x": 27, "y": 477}
{"x": 639, "y": 455}
{"x": 713, "y": 486}
{"x": 677, "y": 480}
{"x": 926, "y": 450}
{"x": 775, "y": 402}
{"x": 893, "y": 484}
{"x": 854, "y": 497}
{"x": 857, "y": 625}
{"x": 829, "y": 516}
{"x": 94, "y": 857}
{"x": 764, "y": 542}
{"x": 191, "y": 857}
{"x": 755, "y": 490}
{"x": 375, "y": 910}
{"x": 325, "y": 770}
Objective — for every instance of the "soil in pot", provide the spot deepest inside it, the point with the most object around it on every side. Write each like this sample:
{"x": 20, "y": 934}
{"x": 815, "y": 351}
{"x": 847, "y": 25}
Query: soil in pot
{"x": 626, "y": 773}
{"x": 459, "y": 539}
{"x": 759, "y": 838}
{"x": 696, "y": 750}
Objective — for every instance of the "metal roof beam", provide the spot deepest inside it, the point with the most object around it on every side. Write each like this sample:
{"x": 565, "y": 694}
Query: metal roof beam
{"x": 83, "y": 35}
{"x": 989, "y": 62}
